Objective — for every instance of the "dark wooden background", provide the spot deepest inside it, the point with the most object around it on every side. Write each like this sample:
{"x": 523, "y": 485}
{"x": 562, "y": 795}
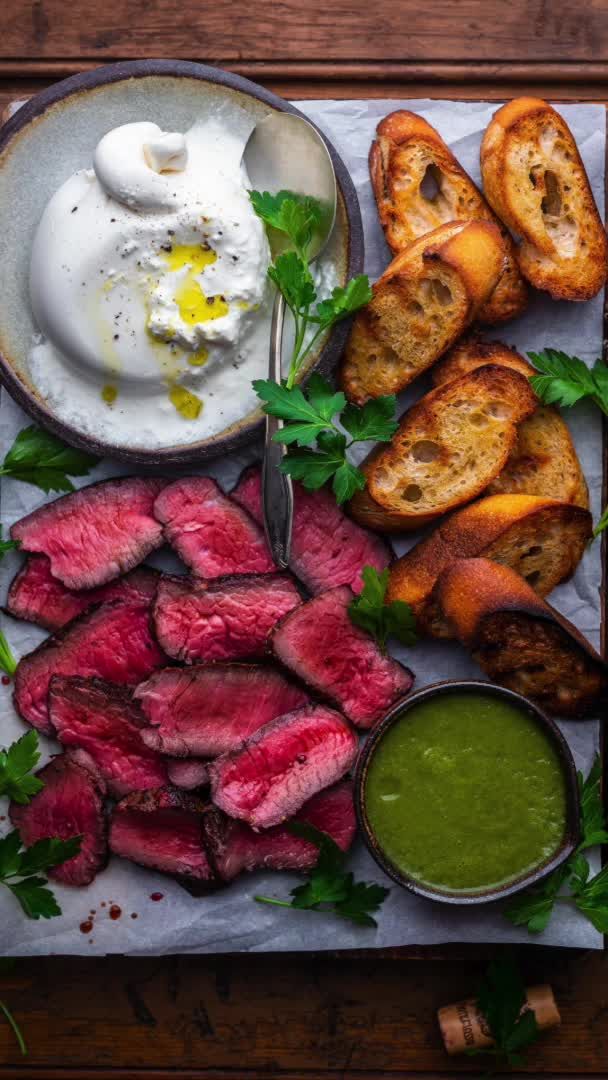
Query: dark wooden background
{"x": 325, "y": 1016}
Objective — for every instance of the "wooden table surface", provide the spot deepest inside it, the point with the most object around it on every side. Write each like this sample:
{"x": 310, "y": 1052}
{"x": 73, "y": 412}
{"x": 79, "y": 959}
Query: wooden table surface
{"x": 292, "y": 1017}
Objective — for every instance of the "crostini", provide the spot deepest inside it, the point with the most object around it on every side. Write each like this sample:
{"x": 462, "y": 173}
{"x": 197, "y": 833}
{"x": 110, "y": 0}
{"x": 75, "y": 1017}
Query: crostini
{"x": 535, "y": 180}
{"x": 543, "y": 539}
{"x": 419, "y": 185}
{"x": 519, "y": 640}
{"x": 451, "y": 444}
{"x": 543, "y": 460}
{"x": 421, "y": 304}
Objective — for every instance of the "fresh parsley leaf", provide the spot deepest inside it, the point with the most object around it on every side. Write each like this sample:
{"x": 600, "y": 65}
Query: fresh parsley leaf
{"x": 45, "y": 854}
{"x": 37, "y": 457}
{"x": 16, "y": 765}
{"x": 370, "y": 611}
{"x": 374, "y": 420}
{"x": 343, "y": 302}
{"x": 348, "y": 479}
{"x": 19, "y": 862}
{"x": 564, "y": 379}
{"x": 501, "y": 999}
{"x": 297, "y": 216}
{"x": 307, "y": 415}
{"x": 37, "y": 901}
{"x": 7, "y": 660}
{"x": 292, "y": 277}
{"x": 323, "y": 399}
{"x": 330, "y": 889}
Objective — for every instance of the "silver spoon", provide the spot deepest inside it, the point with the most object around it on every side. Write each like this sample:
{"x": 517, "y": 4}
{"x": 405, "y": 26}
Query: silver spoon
{"x": 285, "y": 153}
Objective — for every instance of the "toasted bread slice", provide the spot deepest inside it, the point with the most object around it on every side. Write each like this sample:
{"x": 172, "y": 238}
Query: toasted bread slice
{"x": 519, "y": 640}
{"x": 419, "y": 185}
{"x": 451, "y": 444}
{"x": 543, "y": 539}
{"x": 536, "y": 182}
{"x": 368, "y": 513}
{"x": 543, "y": 460}
{"x": 422, "y": 303}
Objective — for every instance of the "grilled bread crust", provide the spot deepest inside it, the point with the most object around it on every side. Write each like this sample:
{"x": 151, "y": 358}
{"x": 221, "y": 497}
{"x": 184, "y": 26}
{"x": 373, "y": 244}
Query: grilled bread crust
{"x": 519, "y": 640}
{"x": 536, "y": 182}
{"x": 543, "y": 539}
{"x": 543, "y": 460}
{"x": 421, "y": 304}
{"x": 451, "y": 444}
{"x": 407, "y": 155}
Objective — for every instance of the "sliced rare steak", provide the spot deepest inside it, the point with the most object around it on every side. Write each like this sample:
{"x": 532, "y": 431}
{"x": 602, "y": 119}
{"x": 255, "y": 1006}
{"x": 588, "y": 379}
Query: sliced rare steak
{"x": 209, "y": 709}
{"x": 162, "y": 830}
{"x": 187, "y": 773}
{"x": 97, "y": 533}
{"x": 213, "y": 535}
{"x": 36, "y": 596}
{"x": 268, "y": 778}
{"x": 233, "y": 846}
{"x": 113, "y": 642}
{"x": 327, "y": 548}
{"x": 327, "y": 651}
{"x": 103, "y": 719}
{"x": 229, "y": 619}
{"x": 70, "y": 804}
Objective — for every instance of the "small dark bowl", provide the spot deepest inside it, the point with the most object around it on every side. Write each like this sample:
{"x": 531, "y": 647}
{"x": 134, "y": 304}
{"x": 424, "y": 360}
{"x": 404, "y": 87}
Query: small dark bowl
{"x": 56, "y": 132}
{"x": 572, "y": 829}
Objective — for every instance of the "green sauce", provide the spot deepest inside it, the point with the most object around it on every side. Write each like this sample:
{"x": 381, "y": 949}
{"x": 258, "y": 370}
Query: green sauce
{"x": 466, "y": 792}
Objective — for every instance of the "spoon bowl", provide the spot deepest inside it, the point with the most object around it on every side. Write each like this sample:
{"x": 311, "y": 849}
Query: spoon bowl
{"x": 286, "y": 153}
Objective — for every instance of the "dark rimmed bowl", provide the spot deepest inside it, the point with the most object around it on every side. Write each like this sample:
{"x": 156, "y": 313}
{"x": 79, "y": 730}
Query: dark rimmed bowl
{"x": 572, "y": 830}
{"x": 50, "y": 136}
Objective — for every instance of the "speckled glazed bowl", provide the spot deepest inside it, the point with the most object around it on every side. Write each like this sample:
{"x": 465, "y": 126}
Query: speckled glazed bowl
{"x": 55, "y": 134}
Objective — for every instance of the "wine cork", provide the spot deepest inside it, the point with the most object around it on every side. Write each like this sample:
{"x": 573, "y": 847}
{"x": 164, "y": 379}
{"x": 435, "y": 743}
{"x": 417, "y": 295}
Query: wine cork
{"x": 463, "y": 1027}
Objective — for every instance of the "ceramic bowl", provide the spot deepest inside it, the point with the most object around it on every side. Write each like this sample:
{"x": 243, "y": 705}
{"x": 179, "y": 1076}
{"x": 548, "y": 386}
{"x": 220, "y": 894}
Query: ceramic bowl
{"x": 54, "y": 134}
{"x": 571, "y": 835}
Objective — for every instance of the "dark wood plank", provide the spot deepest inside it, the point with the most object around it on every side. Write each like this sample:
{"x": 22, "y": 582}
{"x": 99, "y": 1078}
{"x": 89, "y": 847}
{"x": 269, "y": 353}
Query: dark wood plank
{"x": 298, "y": 1016}
{"x": 342, "y": 30}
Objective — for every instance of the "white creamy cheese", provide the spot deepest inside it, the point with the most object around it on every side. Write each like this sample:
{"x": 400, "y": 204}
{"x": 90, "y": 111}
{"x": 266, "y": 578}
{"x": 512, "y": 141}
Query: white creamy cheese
{"x": 148, "y": 284}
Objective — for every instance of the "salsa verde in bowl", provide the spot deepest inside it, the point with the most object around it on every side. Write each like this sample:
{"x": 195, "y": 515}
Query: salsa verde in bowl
{"x": 467, "y": 793}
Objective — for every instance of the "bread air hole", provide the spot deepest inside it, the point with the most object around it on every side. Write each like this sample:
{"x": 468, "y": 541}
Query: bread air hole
{"x": 533, "y": 578}
{"x": 430, "y": 185}
{"x": 412, "y": 493}
{"x": 499, "y": 410}
{"x": 551, "y": 203}
{"x": 425, "y": 450}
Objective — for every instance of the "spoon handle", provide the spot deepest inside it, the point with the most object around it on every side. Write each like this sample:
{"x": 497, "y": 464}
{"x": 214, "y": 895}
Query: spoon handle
{"x": 277, "y": 490}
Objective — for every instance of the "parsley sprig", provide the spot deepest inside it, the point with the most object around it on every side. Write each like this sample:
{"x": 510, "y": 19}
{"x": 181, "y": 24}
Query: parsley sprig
{"x": 310, "y": 416}
{"x": 37, "y": 457}
{"x": 16, "y": 766}
{"x": 294, "y": 220}
{"x": 21, "y": 868}
{"x": 7, "y": 965}
{"x": 331, "y": 889}
{"x": 565, "y": 380}
{"x": 534, "y": 908}
{"x": 501, "y": 999}
{"x": 382, "y": 620}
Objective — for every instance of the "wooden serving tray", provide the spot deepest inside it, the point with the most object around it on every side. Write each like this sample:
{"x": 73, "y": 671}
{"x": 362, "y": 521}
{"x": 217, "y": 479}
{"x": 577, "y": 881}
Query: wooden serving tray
{"x": 327, "y": 1016}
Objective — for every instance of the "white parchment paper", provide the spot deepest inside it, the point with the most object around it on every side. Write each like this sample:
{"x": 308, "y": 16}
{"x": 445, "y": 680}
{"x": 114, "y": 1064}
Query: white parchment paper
{"x": 230, "y": 921}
